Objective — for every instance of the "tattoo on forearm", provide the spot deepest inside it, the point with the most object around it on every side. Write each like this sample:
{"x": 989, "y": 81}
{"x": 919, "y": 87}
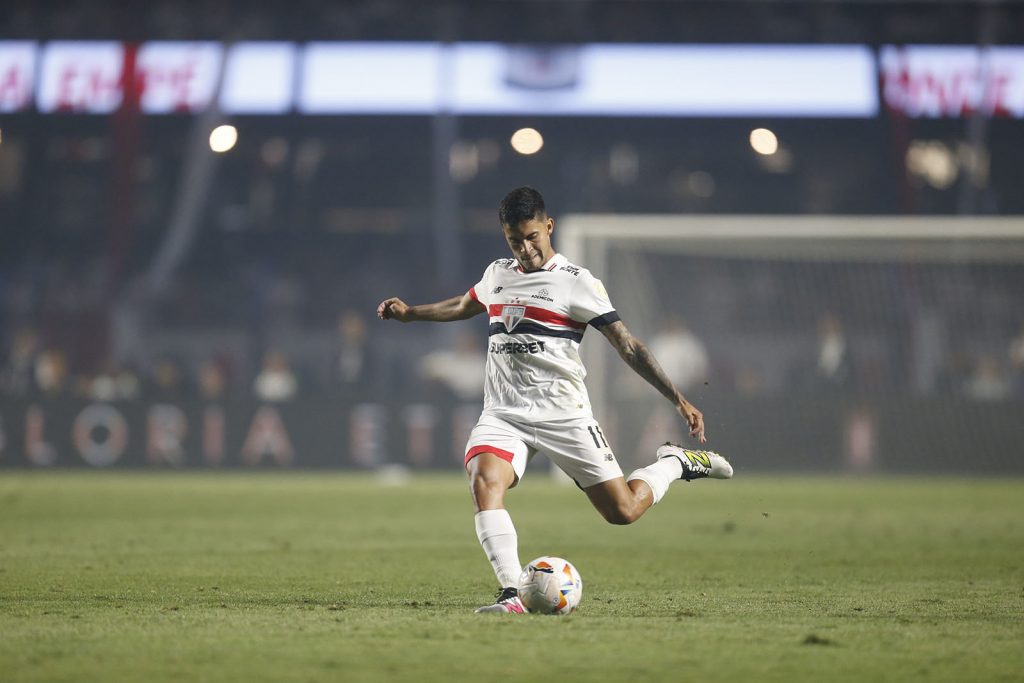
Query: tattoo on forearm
{"x": 639, "y": 357}
{"x": 646, "y": 365}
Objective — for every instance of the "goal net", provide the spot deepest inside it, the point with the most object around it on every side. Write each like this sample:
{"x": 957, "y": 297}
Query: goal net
{"x": 816, "y": 343}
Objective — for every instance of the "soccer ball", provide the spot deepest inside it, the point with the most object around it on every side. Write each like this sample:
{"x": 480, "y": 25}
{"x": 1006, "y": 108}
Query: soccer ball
{"x": 550, "y": 585}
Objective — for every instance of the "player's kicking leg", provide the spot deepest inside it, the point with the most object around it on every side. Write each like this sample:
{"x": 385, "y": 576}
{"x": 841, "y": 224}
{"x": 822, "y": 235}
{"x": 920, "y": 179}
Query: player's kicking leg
{"x": 623, "y": 501}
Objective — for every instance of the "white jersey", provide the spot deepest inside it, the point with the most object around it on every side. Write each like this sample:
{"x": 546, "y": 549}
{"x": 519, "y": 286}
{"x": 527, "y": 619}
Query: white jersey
{"x": 537, "y": 320}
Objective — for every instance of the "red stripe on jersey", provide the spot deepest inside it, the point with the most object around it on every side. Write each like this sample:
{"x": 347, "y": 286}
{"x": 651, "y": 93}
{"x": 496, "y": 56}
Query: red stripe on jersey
{"x": 541, "y": 315}
{"x": 477, "y": 450}
{"x": 472, "y": 293}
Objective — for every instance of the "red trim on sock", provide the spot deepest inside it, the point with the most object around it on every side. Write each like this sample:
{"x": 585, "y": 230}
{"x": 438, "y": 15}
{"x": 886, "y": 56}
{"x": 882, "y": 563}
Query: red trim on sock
{"x": 477, "y": 450}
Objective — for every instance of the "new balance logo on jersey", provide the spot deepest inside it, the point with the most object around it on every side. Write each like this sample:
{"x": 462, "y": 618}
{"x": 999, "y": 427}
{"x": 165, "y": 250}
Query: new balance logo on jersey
{"x": 542, "y": 294}
{"x": 517, "y": 347}
{"x": 512, "y": 316}
{"x": 496, "y": 289}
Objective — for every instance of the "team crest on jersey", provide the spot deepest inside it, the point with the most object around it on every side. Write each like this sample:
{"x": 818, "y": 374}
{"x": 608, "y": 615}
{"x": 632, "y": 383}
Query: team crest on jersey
{"x": 512, "y": 315}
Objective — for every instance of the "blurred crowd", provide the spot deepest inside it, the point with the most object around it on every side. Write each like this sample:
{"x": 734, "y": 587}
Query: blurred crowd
{"x": 351, "y": 365}
{"x": 833, "y": 364}
{"x": 857, "y": 329}
{"x": 363, "y": 359}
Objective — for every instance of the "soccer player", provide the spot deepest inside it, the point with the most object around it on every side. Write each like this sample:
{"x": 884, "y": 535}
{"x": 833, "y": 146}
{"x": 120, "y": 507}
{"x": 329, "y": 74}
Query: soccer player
{"x": 539, "y": 304}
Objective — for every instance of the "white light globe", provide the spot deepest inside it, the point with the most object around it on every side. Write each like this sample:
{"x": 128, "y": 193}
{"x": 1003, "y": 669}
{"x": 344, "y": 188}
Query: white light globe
{"x": 223, "y": 138}
{"x": 527, "y": 141}
{"x": 764, "y": 141}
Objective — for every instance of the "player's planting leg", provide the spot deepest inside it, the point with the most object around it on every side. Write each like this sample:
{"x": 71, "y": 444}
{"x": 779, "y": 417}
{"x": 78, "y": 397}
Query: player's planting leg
{"x": 498, "y": 538}
{"x": 490, "y": 477}
{"x": 675, "y": 462}
{"x": 507, "y": 602}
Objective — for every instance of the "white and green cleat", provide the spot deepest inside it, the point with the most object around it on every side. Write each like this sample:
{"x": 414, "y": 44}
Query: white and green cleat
{"x": 697, "y": 464}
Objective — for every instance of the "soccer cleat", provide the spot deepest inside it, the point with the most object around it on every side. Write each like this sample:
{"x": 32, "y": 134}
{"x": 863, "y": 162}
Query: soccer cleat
{"x": 508, "y": 602}
{"x": 697, "y": 464}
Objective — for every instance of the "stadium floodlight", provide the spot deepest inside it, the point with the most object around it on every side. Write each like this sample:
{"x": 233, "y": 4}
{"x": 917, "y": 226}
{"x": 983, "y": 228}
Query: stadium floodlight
{"x": 764, "y": 141}
{"x": 223, "y": 138}
{"x": 527, "y": 141}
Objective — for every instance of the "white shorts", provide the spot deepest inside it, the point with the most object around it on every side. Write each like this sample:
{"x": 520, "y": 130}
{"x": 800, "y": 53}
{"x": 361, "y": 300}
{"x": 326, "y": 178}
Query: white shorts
{"x": 576, "y": 446}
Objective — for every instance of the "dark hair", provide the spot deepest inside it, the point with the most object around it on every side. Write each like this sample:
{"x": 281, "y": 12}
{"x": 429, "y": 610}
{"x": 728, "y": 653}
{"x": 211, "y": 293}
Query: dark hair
{"x": 521, "y": 204}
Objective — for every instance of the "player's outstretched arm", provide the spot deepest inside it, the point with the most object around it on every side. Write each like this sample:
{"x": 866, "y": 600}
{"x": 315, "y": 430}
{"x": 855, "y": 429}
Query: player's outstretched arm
{"x": 639, "y": 357}
{"x": 456, "y": 308}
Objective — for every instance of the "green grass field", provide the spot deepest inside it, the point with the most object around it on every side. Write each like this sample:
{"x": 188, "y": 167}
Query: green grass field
{"x": 335, "y": 577}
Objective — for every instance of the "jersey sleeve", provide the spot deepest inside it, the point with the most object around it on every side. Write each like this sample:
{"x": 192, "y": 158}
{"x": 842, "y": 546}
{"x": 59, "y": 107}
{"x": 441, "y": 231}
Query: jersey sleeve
{"x": 481, "y": 291}
{"x": 590, "y": 302}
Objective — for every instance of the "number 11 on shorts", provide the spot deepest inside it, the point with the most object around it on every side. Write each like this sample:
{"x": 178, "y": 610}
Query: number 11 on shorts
{"x": 595, "y": 432}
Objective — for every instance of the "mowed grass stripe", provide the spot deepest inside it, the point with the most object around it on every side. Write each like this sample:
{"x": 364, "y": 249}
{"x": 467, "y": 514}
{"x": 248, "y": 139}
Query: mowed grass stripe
{"x": 318, "y": 577}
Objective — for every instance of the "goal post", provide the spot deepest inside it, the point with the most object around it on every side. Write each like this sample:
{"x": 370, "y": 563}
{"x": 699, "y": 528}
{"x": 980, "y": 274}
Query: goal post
{"x": 923, "y": 313}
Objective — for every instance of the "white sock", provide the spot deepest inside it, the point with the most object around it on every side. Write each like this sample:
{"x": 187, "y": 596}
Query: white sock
{"x": 498, "y": 537}
{"x": 659, "y": 475}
